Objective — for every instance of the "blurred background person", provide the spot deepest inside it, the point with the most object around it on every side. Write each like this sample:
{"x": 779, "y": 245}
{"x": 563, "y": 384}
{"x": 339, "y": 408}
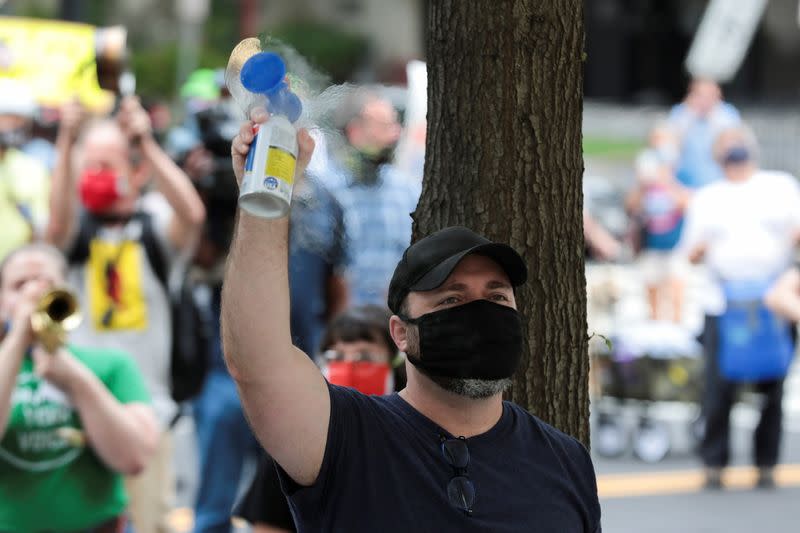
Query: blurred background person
{"x": 24, "y": 180}
{"x": 356, "y": 351}
{"x": 375, "y": 196}
{"x": 697, "y": 121}
{"x": 745, "y": 229}
{"x": 657, "y": 203}
{"x": 121, "y": 241}
{"x": 71, "y": 420}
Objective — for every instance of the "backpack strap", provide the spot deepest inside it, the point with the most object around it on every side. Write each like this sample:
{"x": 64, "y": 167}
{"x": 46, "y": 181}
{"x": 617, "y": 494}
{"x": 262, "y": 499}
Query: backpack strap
{"x": 153, "y": 250}
{"x": 88, "y": 226}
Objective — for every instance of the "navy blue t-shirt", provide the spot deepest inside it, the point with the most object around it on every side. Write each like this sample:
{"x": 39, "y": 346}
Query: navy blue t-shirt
{"x": 384, "y": 471}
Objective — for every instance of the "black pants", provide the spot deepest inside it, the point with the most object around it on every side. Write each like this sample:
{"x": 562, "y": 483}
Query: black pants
{"x": 718, "y": 400}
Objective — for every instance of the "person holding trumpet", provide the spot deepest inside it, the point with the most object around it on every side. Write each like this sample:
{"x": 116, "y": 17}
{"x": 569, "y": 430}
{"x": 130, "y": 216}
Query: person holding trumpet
{"x": 73, "y": 420}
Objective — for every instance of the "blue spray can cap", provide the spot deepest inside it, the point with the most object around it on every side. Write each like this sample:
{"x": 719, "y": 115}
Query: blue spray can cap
{"x": 262, "y": 72}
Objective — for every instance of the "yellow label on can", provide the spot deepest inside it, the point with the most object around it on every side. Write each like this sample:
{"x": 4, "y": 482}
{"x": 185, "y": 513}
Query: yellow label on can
{"x": 281, "y": 164}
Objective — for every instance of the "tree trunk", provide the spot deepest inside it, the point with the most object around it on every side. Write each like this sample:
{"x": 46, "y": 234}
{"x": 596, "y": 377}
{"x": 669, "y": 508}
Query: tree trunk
{"x": 505, "y": 87}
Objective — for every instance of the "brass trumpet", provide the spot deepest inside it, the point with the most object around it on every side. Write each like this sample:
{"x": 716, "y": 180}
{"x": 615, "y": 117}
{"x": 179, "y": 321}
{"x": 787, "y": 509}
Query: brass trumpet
{"x": 56, "y": 314}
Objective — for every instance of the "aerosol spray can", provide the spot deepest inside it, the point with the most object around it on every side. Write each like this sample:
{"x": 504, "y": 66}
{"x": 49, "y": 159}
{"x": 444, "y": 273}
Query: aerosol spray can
{"x": 269, "y": 169}
{"x": 268, "y": 180}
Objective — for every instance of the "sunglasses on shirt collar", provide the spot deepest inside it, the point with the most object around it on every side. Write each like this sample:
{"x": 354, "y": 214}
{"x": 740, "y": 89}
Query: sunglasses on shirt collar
{"x": 460, "y": 489}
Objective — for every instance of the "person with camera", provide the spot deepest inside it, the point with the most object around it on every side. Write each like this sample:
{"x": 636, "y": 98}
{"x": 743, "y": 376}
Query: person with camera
{"x": 72, "y": 420}
{"x": 122, "y": 241}
{"x": 445, "y": 453}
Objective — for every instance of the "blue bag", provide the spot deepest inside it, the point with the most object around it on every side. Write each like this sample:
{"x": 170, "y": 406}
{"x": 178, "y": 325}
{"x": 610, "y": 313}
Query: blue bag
{"x": 754, "y": 343}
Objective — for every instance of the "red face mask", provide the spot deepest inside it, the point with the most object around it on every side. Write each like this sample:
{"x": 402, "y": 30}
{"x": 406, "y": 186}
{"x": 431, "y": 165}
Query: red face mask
{"x": 99, "y": 189}
{"x": 364, "y": 376}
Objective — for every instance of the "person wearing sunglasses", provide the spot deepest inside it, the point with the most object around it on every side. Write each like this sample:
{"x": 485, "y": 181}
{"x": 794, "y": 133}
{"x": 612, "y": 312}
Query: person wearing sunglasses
{"x": 446, "y": 453}
{"x": 356, "y": 351}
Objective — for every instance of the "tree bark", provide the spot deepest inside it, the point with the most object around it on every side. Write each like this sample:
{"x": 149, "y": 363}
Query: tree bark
{"x": 505, "y": 89}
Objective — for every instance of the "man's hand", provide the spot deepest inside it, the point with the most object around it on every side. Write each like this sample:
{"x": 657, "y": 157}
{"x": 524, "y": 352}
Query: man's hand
{"x": 241, "y": 145}
{"x": 134, "y": 120}
{"x": 28, "y": 301}
{"x": 697, "y": 253}
{"x": 72, "y": 116}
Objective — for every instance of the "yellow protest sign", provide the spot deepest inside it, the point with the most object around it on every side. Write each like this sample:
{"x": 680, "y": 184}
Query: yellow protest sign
{"x": 55, "y": 59}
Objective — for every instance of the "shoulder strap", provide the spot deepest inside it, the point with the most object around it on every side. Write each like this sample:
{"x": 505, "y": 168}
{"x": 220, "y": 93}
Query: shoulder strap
{"x": 88, "y": 226}
{"x": 155, "y": 254}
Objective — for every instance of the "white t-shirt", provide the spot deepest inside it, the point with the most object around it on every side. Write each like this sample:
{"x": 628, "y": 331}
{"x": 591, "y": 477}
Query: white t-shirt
{"x": 749, "y": 228}
{"x": 139, "y": 320}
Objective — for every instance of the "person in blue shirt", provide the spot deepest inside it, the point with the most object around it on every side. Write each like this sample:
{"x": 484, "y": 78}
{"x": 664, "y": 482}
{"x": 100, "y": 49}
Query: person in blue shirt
{"x": 444, "y": 454}
{"x": 376, "y": 197}
{"x": 698, "y": 120}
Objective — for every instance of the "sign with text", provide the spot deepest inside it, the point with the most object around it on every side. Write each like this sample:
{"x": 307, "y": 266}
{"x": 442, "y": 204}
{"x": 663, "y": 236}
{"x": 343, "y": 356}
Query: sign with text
{"x": 56, "y": 59}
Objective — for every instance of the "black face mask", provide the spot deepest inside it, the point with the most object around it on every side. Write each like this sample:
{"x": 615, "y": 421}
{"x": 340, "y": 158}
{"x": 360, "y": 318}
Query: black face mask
{"x": 478, "y": 340}
{"x": 365, "y": 166}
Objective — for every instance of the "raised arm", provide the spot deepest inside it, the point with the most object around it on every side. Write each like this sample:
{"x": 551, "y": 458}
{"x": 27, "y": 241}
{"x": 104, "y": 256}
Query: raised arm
{"x": 283, "y": 393}
{"x": 170, "y": 180}
{"x": 63, "y": 189}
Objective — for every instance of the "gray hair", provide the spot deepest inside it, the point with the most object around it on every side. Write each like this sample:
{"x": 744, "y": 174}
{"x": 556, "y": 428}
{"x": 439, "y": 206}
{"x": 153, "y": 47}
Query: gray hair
{"x": 353, "y": 104}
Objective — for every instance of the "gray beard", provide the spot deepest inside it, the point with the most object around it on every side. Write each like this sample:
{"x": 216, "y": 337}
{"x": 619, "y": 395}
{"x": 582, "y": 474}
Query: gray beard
{"x": 475, "y": 389}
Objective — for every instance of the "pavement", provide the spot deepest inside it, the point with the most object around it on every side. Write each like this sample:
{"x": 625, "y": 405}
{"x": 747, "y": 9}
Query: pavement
{"x": 636, "y": 497}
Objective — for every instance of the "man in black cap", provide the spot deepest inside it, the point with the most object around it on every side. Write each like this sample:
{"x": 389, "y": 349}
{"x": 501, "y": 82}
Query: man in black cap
{"x": 444, "y": 454}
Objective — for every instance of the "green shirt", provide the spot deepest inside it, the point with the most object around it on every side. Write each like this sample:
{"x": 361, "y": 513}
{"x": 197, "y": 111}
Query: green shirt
{"x": 47, "y": 483}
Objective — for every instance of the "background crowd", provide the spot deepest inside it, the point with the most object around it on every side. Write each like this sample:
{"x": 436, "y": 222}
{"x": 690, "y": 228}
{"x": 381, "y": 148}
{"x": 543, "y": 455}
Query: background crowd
{"x": 133, "y": 209}
{"x": 143, "y": 217}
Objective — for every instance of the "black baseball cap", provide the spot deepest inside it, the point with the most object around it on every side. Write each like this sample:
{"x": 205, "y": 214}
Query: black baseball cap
{"x": 427, "y": 263}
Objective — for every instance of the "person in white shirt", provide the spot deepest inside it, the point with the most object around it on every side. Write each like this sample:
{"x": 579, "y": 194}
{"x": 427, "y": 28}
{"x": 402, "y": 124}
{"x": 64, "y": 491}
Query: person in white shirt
{"x": 744, "y": 228}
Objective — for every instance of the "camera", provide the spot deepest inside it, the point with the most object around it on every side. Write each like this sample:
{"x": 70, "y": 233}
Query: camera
{"x": 217, "y": 126}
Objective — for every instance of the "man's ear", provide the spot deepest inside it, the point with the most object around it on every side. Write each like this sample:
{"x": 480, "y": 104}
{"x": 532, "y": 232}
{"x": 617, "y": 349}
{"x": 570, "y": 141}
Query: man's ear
{"x": 399, "y": 332}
